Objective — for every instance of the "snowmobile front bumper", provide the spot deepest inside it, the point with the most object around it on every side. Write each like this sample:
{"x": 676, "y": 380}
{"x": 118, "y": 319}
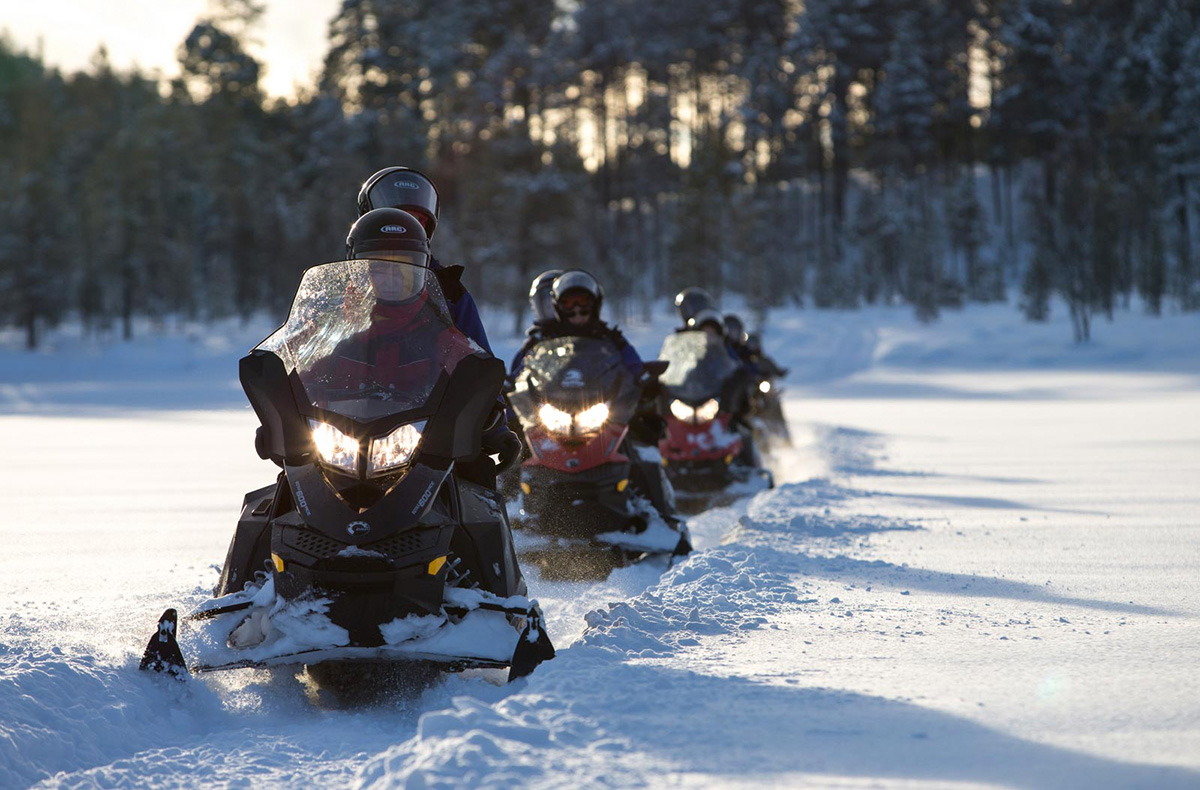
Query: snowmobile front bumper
{"x": 475, "y": 629}
{"x": 697, "y": 477}
{"x": 597, "y": 506}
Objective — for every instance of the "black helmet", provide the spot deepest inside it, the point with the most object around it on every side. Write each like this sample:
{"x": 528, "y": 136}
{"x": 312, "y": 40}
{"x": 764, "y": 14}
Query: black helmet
{"x": 388, "y": 234}
{"x": 690, "y": 301}
{"x": 705, "y": 318}
{"x": 735, "y": 330}
{"x": 403, "y": 188}
{"x": 540, "y": 299}
{"x": 575, "y": 281}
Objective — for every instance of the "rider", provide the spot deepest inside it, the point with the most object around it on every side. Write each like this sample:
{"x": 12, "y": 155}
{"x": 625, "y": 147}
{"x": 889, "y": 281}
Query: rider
{"x": 389, "y": 234}
{"x": 698, "y": 310}
{"x": 412, "y": 191}
{"x": 749, "y": 348}
{"x": 691, "y": 301}
{"x": 710, "y": 322}
{"x": 576, "y": 299}
{"x": 541, "y": 302}
{"x": 735, "y": 334}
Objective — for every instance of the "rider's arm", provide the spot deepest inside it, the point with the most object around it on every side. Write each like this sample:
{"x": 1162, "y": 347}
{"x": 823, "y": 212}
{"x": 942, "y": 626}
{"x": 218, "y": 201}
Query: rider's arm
{"x": 466, "y": 318}
{"x": 629, "y": 354}
{"x": 463, "y": 310}
{"x": 518, "y": 362}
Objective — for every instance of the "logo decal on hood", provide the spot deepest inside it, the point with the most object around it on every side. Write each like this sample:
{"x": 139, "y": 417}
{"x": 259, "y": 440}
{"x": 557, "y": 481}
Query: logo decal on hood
{"x": 424, "y": 498}
{"x": 407, "y": 185}
{"x": 358, "y": 528}
{"x": 301, "y": 501}
{"x": 393, "y": 229}
{"x": 572, "y": 380}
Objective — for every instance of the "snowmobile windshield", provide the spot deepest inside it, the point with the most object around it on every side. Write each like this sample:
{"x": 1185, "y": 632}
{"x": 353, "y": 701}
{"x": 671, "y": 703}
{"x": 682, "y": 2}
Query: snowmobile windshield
{"x": 576, "y": 373}
{"x": 369, "y": 338}
{"x": 700, "y": 365}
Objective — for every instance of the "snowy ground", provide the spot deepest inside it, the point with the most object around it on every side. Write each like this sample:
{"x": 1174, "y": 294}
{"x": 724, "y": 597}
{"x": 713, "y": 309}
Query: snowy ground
{"x": 981, "y": 570}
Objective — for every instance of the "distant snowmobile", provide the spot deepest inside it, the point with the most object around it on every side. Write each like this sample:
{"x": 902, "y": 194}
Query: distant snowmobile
{"x": 585, "y": 481}
{"x": 767, "y": 397}
{"x": 376, "y": 548}
{"x": 769, "y": 425}
{"x": 709, "y": 444}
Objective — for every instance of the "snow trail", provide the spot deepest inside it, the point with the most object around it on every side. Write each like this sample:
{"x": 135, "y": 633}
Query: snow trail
{"x": 979, "y": 570}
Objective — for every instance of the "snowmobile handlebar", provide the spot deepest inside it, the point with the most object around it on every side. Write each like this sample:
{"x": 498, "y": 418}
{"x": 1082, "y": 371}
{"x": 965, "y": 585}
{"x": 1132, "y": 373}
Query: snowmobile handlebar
{"x": 656, "y": 367}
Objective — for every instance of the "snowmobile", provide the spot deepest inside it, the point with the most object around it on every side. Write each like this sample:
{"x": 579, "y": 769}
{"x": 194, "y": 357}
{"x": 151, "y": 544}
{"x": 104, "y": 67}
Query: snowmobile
{"x": 766, "y": 408}
{"x": 585, "y": 483}
{"x": 710, "y": 444}
{"x": 766, "y": 399}
{"x": 371, "y": 547}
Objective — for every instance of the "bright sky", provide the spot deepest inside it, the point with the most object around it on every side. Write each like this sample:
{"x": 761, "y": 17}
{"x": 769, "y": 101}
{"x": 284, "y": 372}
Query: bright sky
{"x": 149, "y": 32}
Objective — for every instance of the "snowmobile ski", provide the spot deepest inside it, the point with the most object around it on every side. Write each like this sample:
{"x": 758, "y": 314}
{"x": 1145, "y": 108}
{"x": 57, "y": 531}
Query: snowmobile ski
{"x": 162, "y": 653}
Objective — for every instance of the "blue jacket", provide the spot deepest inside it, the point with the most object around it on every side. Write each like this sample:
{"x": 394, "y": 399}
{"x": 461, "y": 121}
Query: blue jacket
{"x": 463, "y": 310}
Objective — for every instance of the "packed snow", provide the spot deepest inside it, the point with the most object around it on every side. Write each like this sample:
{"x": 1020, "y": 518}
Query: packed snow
{"x": 980, "y": 568}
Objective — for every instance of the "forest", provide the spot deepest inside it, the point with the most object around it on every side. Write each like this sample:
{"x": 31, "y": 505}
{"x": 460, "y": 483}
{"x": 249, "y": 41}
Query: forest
{"x": 826, "y": 153}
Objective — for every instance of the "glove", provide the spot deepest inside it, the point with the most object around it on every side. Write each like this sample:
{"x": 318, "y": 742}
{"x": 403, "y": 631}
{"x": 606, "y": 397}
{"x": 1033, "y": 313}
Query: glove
{"x": 651, "y": 390}
{"x": 504, "y": 443}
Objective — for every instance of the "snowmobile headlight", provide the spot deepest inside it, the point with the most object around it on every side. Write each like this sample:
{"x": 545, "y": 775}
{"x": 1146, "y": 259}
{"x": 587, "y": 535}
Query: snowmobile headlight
{"x": 395, "y": 449}
{"x": 682, "y": 411}
{"x": 591, "y": 419}
{"x": 555, "y": 419}
{"x": 336, "y": 448}
{"x": 764, "y": 387}
{"x": 707, "y": 411}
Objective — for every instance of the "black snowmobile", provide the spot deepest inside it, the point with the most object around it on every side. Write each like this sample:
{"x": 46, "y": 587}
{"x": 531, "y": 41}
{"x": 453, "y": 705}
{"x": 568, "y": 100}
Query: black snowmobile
{"x": 710, "y": 447}
{"x": 767, "y": 398}
{"x": 586, "y": 484}
{"x": 372, "y": 546}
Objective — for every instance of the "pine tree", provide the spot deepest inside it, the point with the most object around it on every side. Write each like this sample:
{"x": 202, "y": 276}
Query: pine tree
{"x": 968, "y": 233}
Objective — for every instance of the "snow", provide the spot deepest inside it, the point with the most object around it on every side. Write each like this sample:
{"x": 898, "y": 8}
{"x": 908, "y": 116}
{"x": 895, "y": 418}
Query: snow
{"x": 979, "y": 569}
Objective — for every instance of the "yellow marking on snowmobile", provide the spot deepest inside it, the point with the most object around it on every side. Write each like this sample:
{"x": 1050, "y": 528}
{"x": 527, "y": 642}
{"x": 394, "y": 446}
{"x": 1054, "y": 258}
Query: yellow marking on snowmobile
{"x": 525, "y": 487}
{"x": 621, "y": 485}
{"x": 275, "y": 558}
{"x": 436, "y": 565}
{"x": 664, "y": 462}
{"x": 729, "y": 459}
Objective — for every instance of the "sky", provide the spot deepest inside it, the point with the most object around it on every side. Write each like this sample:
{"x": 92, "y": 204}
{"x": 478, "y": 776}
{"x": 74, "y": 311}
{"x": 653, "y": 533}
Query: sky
{"x": 148, "y": 33}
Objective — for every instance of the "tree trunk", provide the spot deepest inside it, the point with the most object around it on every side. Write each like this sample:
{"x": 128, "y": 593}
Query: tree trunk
{"x": 1186, "y": 275}
{"x": 31, "y": 333}
{"x": 1010, "y": 235}
{"x": 840, "y": 140}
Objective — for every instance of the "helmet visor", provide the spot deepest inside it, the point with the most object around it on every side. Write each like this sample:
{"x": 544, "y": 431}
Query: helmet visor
{"x": 573, "y": 280}
{"x": 394, "y": 280}
{"x": 577, "y": 301}
{"x": 408, "y": 191}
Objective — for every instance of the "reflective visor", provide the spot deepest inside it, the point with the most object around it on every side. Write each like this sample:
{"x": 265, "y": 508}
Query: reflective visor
{"x": 408, "y": 192}
{"x": 577, "y": 299}
{"x": 395, "y": 281}
{"x": 399, "y": 256}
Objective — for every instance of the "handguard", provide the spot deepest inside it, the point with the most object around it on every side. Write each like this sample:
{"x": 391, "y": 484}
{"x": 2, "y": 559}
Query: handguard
{"x": 506, "y": 444}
